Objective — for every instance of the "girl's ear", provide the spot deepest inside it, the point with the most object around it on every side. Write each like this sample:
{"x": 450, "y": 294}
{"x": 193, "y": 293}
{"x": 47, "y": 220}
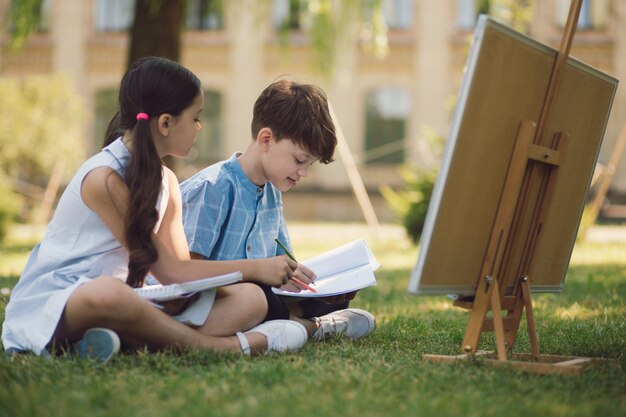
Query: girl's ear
{"x": 264, "y": 138}
{"x": 163, "y": 124}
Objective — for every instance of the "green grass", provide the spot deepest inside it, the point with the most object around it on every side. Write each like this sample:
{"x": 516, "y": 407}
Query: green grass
{"x": 382, "y": 375}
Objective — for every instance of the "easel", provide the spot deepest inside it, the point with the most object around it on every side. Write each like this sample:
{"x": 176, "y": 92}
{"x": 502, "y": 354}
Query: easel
{"x": 505, "y": 276}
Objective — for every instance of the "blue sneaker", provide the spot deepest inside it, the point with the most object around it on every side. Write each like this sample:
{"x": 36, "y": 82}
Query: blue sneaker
{"x": 98, "y": 344}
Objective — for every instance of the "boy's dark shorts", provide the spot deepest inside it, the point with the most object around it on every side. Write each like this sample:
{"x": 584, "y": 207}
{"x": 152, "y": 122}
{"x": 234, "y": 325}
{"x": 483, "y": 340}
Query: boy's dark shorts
{"x": 276, "y": 308}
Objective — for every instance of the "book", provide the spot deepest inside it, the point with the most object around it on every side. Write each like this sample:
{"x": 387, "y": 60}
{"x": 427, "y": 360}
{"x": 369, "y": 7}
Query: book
{"x": 345, "y": 269}
{"x": 186, "y": 289}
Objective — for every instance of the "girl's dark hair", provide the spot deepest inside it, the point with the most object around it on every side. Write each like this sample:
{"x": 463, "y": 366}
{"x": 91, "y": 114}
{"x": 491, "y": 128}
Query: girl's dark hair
{"x": 298, "y": 112}
{"x": 153, "y": 86}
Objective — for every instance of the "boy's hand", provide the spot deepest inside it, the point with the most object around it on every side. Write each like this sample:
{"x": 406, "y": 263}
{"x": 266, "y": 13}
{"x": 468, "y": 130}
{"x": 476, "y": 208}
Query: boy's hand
{"x": 302, "y": 273}
{"x": 275, "y": 271}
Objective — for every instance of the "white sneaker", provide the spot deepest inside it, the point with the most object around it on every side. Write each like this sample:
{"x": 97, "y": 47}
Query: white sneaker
{"x": 282, "y": 335}
{"x": 352, "y": 323}
{"x": 99, "y": 344}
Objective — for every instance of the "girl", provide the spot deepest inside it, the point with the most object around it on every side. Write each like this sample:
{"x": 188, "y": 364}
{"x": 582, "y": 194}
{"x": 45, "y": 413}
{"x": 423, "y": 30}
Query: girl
{"x": 120, "y": 218}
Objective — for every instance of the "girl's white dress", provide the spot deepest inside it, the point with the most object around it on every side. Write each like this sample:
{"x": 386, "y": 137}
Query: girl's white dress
{"x": 77, "y": 247}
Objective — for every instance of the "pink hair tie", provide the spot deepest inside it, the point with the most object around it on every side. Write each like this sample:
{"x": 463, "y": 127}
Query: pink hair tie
{"x": 142, "y": 116}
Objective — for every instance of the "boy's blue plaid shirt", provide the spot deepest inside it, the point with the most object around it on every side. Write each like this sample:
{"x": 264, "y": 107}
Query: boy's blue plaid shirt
{"x": 227, "y": 217}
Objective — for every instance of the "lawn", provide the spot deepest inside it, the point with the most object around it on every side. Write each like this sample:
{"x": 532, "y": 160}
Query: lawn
{"x": 381, "y": 375}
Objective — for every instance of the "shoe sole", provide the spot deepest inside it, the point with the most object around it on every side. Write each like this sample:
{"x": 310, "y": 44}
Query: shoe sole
{"x": 98, "y": 344}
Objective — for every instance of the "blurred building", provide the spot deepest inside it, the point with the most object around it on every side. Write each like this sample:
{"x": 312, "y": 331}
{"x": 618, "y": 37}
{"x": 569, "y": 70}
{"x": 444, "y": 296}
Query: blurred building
{"x": 389, "y": 108}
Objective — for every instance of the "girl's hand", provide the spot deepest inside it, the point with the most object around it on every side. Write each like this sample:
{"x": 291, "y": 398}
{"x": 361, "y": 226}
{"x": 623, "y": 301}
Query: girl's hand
{"x": 274, "y": 271}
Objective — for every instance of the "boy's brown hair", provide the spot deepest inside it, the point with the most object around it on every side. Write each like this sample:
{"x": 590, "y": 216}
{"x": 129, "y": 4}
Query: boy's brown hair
{"x": 298, "y": 112}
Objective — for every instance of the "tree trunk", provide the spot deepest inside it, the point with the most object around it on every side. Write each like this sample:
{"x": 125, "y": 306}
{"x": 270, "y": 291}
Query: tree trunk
{"x": 157, "y": 29}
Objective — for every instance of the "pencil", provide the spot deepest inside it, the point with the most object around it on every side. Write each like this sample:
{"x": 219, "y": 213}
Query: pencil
{"x": 283, "y": 247}
{"x": 293, "y": 258}
{"x": 297, "y": 281}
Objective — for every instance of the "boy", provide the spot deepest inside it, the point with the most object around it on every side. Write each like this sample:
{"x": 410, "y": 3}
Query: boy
{"x": 233, "y": 209}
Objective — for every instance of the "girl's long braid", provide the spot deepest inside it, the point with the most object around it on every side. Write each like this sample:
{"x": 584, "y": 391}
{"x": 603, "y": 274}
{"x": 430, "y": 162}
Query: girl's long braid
{"x": 154, "y": 86}
{"x": 144, "y": 175}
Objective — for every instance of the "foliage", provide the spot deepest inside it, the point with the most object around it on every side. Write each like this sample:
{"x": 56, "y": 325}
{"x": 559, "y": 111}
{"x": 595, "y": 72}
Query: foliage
{"x": 42, "y": 119}
{"x": 25, "y": 17}
{"x": 9, "y": 207}
{"x": 411, "y": 202}
{"x": 516, "y": 13}
{"x": 381, "y": 375}
{"x": 327, "y": 22}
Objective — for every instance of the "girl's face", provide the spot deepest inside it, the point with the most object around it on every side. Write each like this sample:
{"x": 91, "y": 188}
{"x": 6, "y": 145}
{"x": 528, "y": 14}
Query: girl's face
{"x": 183, "y": 129}
{"x": 286, "y": 163}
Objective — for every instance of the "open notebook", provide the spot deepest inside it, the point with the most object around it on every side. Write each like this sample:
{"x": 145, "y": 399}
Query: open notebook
{"x": 341, "y": 270}
{"x": 186, "y": 289}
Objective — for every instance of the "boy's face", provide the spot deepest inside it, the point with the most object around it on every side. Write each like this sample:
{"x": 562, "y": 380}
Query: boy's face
{"x": 286, "y": 163}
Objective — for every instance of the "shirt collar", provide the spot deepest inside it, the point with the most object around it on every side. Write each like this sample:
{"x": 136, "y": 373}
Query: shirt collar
{"x": 235, "y": 168}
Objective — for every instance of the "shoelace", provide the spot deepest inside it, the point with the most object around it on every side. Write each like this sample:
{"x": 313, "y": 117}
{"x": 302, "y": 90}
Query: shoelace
{"x": 276, "y": 339}
{"x": 332, "y": 326}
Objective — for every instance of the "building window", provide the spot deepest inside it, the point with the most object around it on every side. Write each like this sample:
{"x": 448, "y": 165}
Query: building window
{"x": 287, "y": 14}
{"x": 205, "y": 15}
{"x": 208, "y": 147}
{"x": 466, "y": 13}
{"x": 593, "y": 14}
{"x": 398, "y": 14}
{"x": 387, "y": 111}
{"x": 113, "y": 15}
{"x": 44, "y": 22}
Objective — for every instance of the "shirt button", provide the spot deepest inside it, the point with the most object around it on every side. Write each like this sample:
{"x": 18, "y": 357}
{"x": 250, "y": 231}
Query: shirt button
{"x": 248, "y": 248}
{"x": 259, "y": 190}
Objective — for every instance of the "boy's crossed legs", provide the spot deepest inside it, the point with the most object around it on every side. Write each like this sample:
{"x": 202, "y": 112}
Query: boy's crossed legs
{"x": 322, "y": 317}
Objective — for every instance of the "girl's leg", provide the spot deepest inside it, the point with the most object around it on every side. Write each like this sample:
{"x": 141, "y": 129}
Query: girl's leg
{"x": 237, "y": 308}
{"x": 228, "y": 315}
{"x": 109, "y": 302}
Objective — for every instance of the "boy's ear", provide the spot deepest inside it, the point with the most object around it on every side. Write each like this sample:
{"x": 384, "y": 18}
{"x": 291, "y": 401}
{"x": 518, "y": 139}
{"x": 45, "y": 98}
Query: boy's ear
{"x": 163, "y": 124}
{"x": 264, "y": 138}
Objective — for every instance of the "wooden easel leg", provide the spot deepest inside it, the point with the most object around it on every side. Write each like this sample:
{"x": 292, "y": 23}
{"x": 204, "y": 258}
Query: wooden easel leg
{"x": 477, "y": 316}
{"x": 498, "y": 237}
{"x": 530, "y": 319}
{"x": 498, "y": 326}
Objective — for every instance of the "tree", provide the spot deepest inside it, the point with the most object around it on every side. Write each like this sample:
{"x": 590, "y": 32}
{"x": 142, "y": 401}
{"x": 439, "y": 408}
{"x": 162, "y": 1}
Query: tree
{"x": 42, "y": 119}
{"x": 158, "y": 25}
{"x": 157, "y": 29}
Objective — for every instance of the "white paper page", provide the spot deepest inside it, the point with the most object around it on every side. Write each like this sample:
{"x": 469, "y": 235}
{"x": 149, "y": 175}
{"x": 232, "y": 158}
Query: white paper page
{"x": 344, "y": 258}
{"x": 348, "y": 281}
{"x": 168, "y": 292}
